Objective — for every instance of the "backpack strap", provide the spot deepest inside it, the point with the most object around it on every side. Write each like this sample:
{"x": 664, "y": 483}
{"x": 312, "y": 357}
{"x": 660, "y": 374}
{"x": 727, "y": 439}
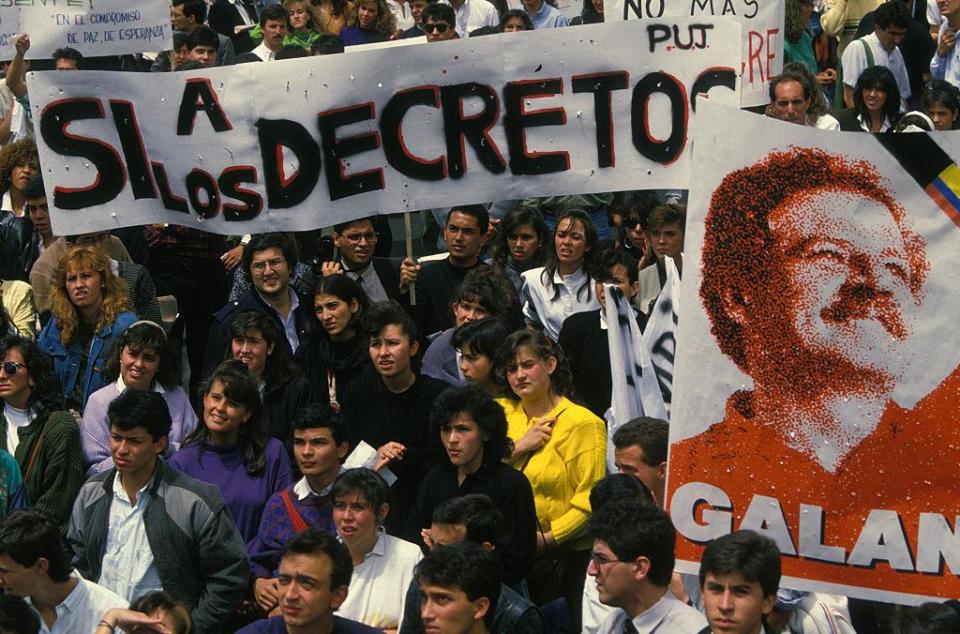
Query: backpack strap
{"x": 295, "y": 518}
{"x": 871, "y": 61}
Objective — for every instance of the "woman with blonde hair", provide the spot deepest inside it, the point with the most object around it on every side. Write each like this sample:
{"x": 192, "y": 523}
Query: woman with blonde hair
{"x": 370, "y": 21}
{"x": 88, "y": 314}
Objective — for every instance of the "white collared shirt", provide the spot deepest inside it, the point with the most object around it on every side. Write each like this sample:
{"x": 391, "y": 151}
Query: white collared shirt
{"x": 121, "y": 386}
{"x": 290, "y": 321}
{"x": 83, "y": 608}
{"x": 473, "y": 14}
{"x": 369, "y": 281}
{"x": 379, "y": 585}
{"x": 667, "y": 616}
{"x": 541, "y": 310}
{"x": 264, "y": 53}
{"x": 303, "y": 490}
{"x": 128, "y": 565}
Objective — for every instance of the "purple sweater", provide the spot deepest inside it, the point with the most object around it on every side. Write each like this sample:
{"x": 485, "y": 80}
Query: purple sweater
{"x": 245, "y": 495}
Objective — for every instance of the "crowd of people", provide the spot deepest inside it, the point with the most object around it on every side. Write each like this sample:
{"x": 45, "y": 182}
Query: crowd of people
{"x": 363, "y": 442}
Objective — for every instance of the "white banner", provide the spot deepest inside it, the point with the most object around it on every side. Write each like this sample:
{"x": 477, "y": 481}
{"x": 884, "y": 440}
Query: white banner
{"x": 818, "y": 369}
{"x": 659, "y": 336}
{"x": 306, "y": 143}
{"x": 762, "y": 25}
{"x": 93, "y": 27}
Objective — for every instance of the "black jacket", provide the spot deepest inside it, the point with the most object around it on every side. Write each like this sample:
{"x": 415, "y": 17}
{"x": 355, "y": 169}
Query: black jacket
{"x": 281, "y": 404}
{"x": 514, "y": 614}
{"x": 18, "y": 248}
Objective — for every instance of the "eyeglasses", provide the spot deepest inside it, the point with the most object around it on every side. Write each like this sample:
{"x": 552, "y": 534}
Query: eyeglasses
{"x": 355, "y": 238}
{"x": 599, "y": 560}
{"x": 275, "y": 264}
{"x": 439, "y": 27}
{"x": 11, "y": 367}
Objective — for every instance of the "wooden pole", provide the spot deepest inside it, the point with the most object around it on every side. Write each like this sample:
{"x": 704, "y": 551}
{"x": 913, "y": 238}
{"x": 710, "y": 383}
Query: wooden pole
{"x": 408, "y": 238}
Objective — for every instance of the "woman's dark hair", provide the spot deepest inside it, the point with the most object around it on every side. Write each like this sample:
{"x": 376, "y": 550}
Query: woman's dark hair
{"x": 347, "y": 290}
{"x": 941, "y": 93}
{"x": 589, "y": 14}
{"x": 279, "y": 367}
{"x": 878, "y": 77}
{"x": 22, "y": 152}
{"x": 516, "y": 13}
{"x": 365, "y": 483}
{"x": 483, "y": 336}
{"x": 178, "y": 611}
{"x": 488, "y": 288}
{"x": 519, "y": 217}
{"x": 143, "y": 335}
{"x": 537, "y": 343}
{"x": 932, "y": 618}
{"x": 485, "y": 412}
{"x": 46, "y": 395}
{"x": 239, "y": 386}
{"x": 592, "y": 246}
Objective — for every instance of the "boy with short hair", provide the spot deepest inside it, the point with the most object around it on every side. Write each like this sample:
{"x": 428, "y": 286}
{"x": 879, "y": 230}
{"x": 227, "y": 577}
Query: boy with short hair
{"x": 459, "y": 589}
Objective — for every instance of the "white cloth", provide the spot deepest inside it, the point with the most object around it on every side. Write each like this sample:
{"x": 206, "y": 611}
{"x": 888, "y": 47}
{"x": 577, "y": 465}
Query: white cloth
{"x": 379, "y": 585}
{"x": 865, "y": 124}
{"x": 826, "y": 122}
{"x": 369, "y": 281}
{"x": 820, "y": 614}
{"x": 16, "y": 418}
{"x": 128, "y": 566}
{"x": 401, "y": 13}
{"x": 264, "y": 53}
{"x": 541, "y": 310}
{"x": 667, "y": 616}
{"x": 854, "y": 62}
{"x": 933, "y": 12}
{"x": 82, "y": 610}
{"x": 473, "y": 14}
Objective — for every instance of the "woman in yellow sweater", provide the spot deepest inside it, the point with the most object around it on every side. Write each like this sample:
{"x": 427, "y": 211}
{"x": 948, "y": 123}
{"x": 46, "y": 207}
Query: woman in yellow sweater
{"x": 560, "y": 447}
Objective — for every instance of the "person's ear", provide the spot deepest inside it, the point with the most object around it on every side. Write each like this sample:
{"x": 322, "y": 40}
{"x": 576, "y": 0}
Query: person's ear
{"x": 161, "y": 445}
{"x": 383, "y": 512}
{"x": 642, "y": 570}
{"x": 662, "y": 471}
{"x": 42, "y": 566}
{"x": 769, "y": 603}
{"x": 338, "y": 596}
{"x": 354, "y": 306}
{"x": 488, "y": 546}
{"x": 414, "y": 347}
{"x": 480, "y": 608}
{"x": 552, "y": 364}
{"x": 342, "y": 450}
{"x": 270, "y": 349}
{"x": 634, "y": 288}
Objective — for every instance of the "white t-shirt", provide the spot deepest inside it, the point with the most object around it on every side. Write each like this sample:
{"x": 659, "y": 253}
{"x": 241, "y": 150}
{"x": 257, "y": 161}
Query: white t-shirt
{"x": 379, "y": 585}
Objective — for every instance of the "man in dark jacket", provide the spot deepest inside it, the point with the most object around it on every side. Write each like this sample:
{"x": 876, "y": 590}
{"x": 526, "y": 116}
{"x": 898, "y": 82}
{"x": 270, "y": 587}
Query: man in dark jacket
{"x": 145, "y": 526}
{"x": 357, "y": 241}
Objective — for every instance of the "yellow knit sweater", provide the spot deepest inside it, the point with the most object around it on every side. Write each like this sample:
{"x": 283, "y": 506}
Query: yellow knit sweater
{"x": 565, "y": 469}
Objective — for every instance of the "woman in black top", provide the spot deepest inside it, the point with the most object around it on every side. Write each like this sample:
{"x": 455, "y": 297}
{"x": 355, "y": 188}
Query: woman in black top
{"x": 876, "y": 102}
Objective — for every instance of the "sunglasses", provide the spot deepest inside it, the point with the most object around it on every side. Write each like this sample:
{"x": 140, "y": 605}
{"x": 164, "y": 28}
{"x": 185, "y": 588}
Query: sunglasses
{"x": 439, "y": 27}
{"x": 11, "y": 367}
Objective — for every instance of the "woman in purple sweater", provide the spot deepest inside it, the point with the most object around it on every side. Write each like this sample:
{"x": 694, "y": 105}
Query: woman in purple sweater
{"x": 231, "y": 450}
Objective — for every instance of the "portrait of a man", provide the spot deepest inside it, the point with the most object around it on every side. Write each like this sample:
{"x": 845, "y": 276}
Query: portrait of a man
{"x": 812, "y": 280}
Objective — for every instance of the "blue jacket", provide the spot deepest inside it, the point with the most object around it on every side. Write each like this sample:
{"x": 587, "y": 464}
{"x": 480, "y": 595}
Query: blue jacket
{"x": 66, "y": 359}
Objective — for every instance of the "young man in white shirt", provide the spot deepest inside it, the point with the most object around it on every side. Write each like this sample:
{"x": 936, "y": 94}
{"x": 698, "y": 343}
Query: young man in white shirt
{"x": 632, "y": 564}
{"x": 34, "y": 565}
{"x": 892, "y": 21}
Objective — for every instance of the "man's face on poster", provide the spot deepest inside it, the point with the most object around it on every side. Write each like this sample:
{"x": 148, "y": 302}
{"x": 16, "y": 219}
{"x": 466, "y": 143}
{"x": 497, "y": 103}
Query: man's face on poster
{"x": 845, "y": 272}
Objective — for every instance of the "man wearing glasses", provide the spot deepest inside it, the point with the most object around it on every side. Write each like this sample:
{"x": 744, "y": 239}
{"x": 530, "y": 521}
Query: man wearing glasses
{"x": 357, "y": 241}
{"x": 632, "y": 563}
{"x": 439, "y": 21}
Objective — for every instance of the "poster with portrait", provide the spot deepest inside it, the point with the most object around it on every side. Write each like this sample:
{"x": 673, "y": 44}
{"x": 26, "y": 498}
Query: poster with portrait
{"x": 817, "y": 380}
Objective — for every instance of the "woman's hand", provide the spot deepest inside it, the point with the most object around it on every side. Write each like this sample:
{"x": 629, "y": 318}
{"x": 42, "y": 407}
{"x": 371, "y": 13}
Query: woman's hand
{"x": 536, "y": 437}
{"x": 267, "y": 593}
{"x": 388, "y": 453}
{"x": 129, "y": 619}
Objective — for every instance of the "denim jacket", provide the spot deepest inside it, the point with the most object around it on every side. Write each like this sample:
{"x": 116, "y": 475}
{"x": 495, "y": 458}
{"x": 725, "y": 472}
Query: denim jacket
{"x": 66, "y": 359}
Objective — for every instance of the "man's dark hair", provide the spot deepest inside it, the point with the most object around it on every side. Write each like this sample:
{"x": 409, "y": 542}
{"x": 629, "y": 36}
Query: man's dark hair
{"x": 263, "y": 241}
{"x": 68, "y": 53}
{"x": 665, "y": 214}
{"x": 440, "y": 13}
{"x": 35, "y": 188}
{"x": 482, "y": 336}
{"x": 195, "y": 8}
{"x": 477, "y": 212}
{"x": 650, "y": 434}
{"x": 291, "y": 51}
{"x": 327, "y": 44}
{"x": 181, "y": 39}
{"x": 319, "y": 416}
{"x": 274, "y": 12}
{"x": 894, "y": 14}
{"x": 632, "y": 530}
{"x": 746, "y": 552}
{"x": 619, "y": 487}
{"x": 29, "y": 534}
{"x": 16, "y": 616}
{"x": 340, "y": 227}
{"x": 191, "y": 64}
{"x": 791, "y": 76}
{"x": 931, "y": 618}
{"x": 383, "y": 314}
{"x": 315, "y": 541}
{"x": 368, "y": 484}
{"x": 476, "y": 512}
{"x": 466, "y": 566}
{"x": 245, "y": 58}
{"x": 203, "y": 36}
{"x": 878, "y": 77}
{"x": 609, "y": 258}
{"x": 177, "y": 611}
{"x": 140, "y": 408}
{"x": 473, "y": 401}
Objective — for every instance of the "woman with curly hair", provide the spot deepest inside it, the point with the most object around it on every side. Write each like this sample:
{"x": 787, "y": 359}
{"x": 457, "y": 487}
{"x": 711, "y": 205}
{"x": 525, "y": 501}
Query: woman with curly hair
{"x": 231, "y": 450}
{"x": 561, "y": 448}
{"x": 371, "y": 21}
{"x": 88, "y": 314}
{"x": 334, "y": 15}
{"x": 303, "y": 24}
{"x": 44, "y": 439}
{"x": 472, "y": 429}
{"x": 19, "y": 162}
